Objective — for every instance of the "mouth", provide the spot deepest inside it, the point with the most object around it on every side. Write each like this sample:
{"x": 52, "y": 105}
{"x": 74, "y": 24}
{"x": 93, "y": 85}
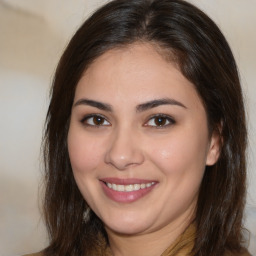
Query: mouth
{"x": 129, "y": 187}
{"x": 126, "y": 190}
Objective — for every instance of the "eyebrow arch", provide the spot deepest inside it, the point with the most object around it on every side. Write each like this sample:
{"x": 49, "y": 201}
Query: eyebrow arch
{"x": 93, "y": 103}
{"x": 155, "y": 103}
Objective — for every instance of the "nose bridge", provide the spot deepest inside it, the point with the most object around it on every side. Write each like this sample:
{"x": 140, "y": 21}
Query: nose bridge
{"x": 124, "y": 150}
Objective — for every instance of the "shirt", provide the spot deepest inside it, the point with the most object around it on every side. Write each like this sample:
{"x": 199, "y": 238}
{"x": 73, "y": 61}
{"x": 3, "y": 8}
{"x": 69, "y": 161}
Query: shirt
{"x": 182, "y": 246}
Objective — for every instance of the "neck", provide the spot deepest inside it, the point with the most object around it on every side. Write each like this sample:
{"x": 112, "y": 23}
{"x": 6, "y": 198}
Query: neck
{"x": 152, "y": 243}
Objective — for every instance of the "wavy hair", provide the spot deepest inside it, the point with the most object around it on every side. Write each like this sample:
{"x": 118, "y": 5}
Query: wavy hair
{"x": 204, "y": 58}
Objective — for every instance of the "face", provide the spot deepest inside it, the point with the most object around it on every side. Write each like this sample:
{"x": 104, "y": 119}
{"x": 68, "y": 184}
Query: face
{"x": 138, "y": 141}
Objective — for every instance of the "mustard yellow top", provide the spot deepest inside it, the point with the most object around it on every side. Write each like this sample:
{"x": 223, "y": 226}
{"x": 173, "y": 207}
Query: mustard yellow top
{"x": 181, "y": 247}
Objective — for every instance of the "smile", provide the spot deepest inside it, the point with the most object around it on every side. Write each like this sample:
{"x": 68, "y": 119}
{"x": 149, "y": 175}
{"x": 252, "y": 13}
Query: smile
{"x": 127, "y": 190}
{"x": 130, "y": 187}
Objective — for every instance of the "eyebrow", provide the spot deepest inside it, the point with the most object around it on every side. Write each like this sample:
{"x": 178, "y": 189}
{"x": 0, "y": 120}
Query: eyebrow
{"x": 155, "y": 103}
{"x": 140, "y": 108}
{"x": 93, "y": 103}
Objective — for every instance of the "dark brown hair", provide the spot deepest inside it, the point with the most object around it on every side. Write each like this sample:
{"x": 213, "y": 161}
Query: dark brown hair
{"x": 205, "y": 59}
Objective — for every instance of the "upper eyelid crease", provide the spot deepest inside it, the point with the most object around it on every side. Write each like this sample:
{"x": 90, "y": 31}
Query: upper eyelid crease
{"x": 94, "y": 115}
{"x": 169, "y": 118}
{"x": 87, "y": 117}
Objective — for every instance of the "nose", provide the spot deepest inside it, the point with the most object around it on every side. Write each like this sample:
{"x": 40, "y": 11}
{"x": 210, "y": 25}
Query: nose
{"x": 124, "y": 150}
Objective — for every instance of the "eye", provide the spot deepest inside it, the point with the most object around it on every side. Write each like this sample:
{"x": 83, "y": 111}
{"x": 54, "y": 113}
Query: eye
{"x": 160, "y": 121}
{"x": 95, "y": 120}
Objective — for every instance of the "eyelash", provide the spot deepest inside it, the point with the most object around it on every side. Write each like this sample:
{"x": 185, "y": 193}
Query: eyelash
{"x": 165, "y": 118}
{"x": 94, "y": 117}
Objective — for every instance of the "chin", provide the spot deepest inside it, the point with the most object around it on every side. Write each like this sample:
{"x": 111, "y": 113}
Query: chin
{"x": 130, "y": 225}
{"x": 126, "y": 229}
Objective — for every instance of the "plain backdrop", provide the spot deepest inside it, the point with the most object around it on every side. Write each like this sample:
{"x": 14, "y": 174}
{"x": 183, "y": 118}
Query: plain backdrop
{"x": 33, "y": 34}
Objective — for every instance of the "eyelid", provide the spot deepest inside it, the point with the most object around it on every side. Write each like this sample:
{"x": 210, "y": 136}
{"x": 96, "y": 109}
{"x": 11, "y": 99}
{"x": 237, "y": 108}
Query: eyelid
{"x": 87, "y": 117}
{"x": 169, "y": 118}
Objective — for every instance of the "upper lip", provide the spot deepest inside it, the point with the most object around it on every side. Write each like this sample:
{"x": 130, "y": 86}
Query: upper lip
{"x": 126, "y": 181}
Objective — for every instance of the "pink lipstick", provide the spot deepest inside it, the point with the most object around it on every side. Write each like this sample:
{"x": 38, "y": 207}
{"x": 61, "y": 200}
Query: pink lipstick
{"x": 126, "y": 190}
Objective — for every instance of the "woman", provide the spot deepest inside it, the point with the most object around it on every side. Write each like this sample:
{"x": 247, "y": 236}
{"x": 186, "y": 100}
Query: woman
{"x": 146, "y": 137}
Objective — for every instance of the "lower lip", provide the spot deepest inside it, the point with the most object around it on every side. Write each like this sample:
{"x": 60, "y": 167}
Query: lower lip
{"x": 126, "y": 197}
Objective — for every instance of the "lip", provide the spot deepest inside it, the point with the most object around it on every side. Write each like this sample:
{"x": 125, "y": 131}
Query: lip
{"x": 126, "y": 197}
{"x": 126, "y": 181}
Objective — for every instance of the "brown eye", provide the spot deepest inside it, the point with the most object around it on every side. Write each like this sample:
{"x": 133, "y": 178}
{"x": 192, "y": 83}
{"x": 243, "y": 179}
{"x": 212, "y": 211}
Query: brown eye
{"x": 98, "y": 120}
{"x": 160, "y": 121}
{"x": 95, "y": 120}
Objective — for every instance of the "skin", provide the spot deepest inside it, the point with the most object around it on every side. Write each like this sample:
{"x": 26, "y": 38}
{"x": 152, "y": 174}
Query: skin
{"x": 130, "y": 142}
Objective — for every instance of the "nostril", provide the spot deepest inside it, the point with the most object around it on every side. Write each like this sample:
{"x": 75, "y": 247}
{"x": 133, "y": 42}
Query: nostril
{"x": 124, "y": 152}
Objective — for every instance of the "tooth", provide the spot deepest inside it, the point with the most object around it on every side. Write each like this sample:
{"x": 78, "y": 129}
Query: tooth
{"x": 142, "y": 185}
{"x": 136, "y": 186}
{"x": 129, "y": 188}
{"x": 120, "y": 187}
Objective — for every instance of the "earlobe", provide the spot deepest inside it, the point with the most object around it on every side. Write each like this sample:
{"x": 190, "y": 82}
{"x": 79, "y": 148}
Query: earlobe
{"x": 214, "y": 148}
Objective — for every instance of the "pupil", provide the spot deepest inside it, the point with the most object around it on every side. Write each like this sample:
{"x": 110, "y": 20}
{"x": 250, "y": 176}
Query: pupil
{"x": 160, "y": 121}
{"x": 98, "y": 120}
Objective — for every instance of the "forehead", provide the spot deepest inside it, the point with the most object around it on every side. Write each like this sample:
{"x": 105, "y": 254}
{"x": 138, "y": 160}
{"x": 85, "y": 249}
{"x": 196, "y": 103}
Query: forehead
{"x": 137, "y": 72}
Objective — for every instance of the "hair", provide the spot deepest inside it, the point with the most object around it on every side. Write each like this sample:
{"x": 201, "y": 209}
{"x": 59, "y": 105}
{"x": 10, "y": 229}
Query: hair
{"x": 204, "y": 58}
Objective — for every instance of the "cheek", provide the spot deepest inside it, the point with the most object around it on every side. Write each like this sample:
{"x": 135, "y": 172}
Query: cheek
{"x": 180, "y": 154}
{"x": 84, "y": 153}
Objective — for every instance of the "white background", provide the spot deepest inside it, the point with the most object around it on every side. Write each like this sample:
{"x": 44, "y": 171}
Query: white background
{"x": 33, "y": 34}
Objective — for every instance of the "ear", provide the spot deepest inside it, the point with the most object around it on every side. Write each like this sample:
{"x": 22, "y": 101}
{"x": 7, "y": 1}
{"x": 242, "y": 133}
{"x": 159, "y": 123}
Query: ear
{"x": 214, "y": 148}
